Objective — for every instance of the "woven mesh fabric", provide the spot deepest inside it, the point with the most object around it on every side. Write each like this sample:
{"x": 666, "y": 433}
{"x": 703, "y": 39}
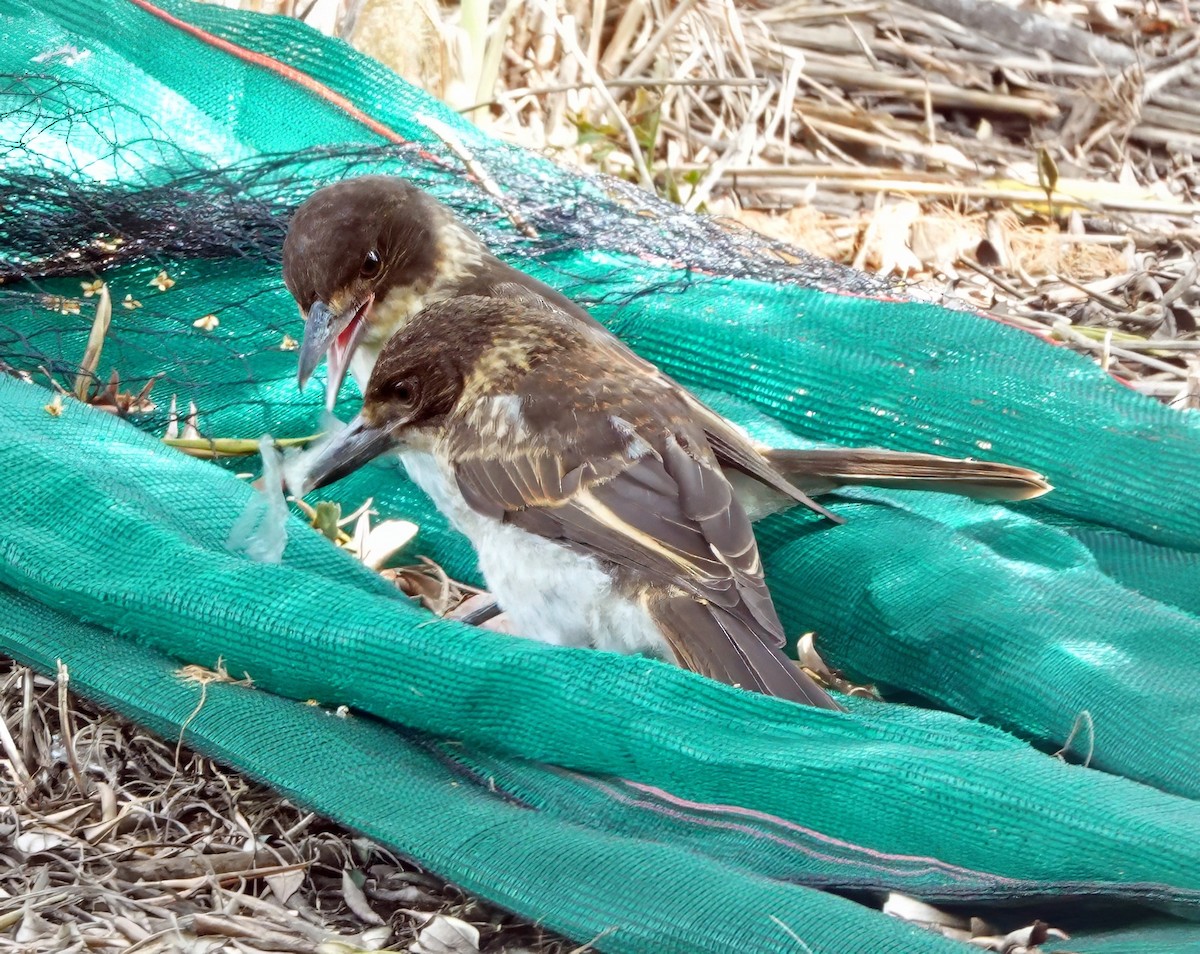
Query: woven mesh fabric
{"x": 644, "y": 752}
{"x": 117, "y": 120}
{"x": 580, "y": 881}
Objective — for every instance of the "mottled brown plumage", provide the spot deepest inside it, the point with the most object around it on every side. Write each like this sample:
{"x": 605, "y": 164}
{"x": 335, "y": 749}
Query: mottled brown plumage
{"x": 544, "y": 426}
{"x": 365, "y": 255}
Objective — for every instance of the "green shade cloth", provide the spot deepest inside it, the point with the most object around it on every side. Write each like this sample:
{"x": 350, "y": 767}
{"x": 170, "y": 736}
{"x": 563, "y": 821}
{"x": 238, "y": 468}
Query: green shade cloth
{"x": 586, "y": 790}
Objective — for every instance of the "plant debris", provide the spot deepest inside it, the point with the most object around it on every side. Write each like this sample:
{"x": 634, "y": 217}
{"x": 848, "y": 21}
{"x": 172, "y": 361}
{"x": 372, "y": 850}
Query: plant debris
{"x": 974, "y": 931}
{"x": 1055, "y": 188}
{"x": 811, "y": 662}
{"x": 86, "y": 386}
{"x": 162, "y": 281}
{"x": 429, "y": 584}
{"x": 213, "y": 448}
{"x": 157, "y": 847}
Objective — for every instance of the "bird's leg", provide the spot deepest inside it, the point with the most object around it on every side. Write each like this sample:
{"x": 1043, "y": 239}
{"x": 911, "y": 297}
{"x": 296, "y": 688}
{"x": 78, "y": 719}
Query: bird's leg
{"x": 481, "y": 610}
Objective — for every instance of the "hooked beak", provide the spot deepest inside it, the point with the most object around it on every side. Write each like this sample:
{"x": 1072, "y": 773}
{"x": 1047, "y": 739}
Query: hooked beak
{"x": 356, "y": 444}
{"x": 336, "y": 334}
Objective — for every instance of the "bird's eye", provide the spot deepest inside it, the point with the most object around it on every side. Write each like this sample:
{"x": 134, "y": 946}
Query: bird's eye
{"x": 371, "y": 264}
{"x": 406, "y": 393}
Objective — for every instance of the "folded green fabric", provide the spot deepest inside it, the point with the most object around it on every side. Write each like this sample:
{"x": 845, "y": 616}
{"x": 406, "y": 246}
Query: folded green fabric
{"x": 626, "y": 792}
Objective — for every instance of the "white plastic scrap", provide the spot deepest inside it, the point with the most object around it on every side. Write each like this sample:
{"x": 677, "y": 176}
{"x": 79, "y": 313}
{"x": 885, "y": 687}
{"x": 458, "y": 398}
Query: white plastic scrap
{"x": 261, "y": 530}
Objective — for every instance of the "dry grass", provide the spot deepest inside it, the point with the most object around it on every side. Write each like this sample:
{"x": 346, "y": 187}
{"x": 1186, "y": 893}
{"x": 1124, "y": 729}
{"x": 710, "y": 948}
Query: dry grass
{"x": 1038, "y": 161}
{"x": 935, "y": 142}
{"x": 1058, "y": 191}
{"x": 116, "y": 840}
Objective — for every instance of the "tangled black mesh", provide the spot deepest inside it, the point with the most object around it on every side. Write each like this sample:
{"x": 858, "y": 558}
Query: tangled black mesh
{"x": 122, "y": 207}
{"x": 55, "y": 217}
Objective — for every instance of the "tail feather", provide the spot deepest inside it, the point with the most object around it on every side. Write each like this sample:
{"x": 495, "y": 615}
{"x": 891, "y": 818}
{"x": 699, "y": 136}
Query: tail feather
{"x": 819, "y": 470}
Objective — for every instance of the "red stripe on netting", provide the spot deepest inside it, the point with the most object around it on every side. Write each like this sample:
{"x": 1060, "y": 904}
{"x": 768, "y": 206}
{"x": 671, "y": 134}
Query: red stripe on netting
{"x": 928, "y": 862}
{"x": 1045, "y": 336}
{"x": 289, "y": 73}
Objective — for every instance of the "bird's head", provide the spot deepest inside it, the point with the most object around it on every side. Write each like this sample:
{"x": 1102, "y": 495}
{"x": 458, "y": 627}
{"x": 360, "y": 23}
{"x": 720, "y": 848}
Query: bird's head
{"x": 451, "y": 355}
{"x": 355, "y": 253}
{"x": 416, "y": 383}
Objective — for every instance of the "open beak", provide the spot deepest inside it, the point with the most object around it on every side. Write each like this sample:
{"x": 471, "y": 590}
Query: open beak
{"x": 356, "y": 444}
{"x": 337, "y": 335}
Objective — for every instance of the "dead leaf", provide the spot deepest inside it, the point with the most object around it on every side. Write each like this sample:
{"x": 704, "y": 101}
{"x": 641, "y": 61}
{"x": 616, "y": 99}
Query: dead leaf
{"x": 33, "y": 926}
{"x": 95, "y": 343}
{"x": 910, "y": 909}
{"x": 446, "y": 935}
{"x": 886, "y": 241}
{"x": 385, "y": 540}
{"x": 285, "y": 884}
{"x": 30, "y": 842}
{"x": 356, "y": 901}
{"x": 1047, "y": 172}
{"x": 372, "y": 939}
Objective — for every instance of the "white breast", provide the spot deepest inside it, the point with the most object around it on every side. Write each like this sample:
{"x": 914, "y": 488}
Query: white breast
{"x": 550, "y": 593}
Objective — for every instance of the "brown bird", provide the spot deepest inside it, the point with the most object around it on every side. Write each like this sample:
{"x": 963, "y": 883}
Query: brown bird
{"x": 587, "y": 481}
{"x": 363, "y": 256}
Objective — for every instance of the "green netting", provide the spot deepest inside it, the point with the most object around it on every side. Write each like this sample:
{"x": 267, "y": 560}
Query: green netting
{"x": 398, "y": 791}
{"x": 600, "y": 790}
{"x": 647, "y": 756}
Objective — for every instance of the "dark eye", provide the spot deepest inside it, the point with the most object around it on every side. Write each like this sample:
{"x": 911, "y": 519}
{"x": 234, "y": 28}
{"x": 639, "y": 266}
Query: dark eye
{"x": 371, "y": 264}
{"x": 406, "y": 393}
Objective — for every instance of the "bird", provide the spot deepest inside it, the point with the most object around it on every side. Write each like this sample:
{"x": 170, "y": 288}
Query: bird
{"x": 364, "y": 255}
{"x": 587, "y": 482}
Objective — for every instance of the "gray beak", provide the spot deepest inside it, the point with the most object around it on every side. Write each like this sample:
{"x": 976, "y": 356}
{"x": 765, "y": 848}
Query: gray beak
{"x": 357, "y": 444}
{"x": 321, "y": 328}
{"x": 335, "y": 335}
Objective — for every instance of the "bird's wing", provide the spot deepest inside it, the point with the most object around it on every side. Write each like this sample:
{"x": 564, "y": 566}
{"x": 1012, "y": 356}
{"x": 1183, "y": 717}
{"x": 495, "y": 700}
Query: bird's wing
{"x": 730, "y": 445}
{"x": 504, "y": 281}
{"x": 709, "y": 640}
{"x": 657, "y": 505}
{"x": 734, "y": 449}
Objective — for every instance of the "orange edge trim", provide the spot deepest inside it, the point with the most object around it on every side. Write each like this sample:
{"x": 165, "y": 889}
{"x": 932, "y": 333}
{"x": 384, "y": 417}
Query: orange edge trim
{"x": 275, "y": 66}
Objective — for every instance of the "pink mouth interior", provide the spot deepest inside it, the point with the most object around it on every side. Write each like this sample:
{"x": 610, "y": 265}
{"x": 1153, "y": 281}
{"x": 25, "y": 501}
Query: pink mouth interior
{"x": 343, "y": 349}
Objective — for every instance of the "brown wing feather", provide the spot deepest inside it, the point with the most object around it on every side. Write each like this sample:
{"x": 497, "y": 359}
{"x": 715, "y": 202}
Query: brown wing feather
{"x": 504, "y": 281}
{"x": 706, "y": 498}
{"x": 734, "y": 449}
{"x": 794, "y": 473}
{"x": 657, "y": 506}
{"x": 625, "y": 518}
{"x": 710, "y": 641}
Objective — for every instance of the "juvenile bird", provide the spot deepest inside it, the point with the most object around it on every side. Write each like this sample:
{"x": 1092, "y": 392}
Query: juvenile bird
{"x": 587, "y": 483}
{"x": 363, "y": 256}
